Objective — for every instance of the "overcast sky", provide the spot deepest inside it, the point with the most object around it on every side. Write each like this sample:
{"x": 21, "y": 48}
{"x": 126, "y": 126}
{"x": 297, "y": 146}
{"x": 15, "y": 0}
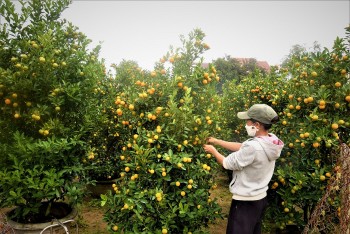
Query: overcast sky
{"x": 265, "y": 30}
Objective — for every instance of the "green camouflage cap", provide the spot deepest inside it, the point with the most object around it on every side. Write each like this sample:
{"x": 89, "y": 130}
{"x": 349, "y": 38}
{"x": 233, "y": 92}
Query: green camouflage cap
{"x": 260, "y": 112}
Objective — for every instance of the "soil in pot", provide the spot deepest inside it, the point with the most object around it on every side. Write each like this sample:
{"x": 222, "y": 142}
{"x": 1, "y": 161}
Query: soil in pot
{"x": 34, "y": 224}
{"x": 58, "y": 210}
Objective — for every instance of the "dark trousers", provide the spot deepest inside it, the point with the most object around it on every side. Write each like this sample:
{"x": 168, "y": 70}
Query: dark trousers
{"x": 246, "y": 216}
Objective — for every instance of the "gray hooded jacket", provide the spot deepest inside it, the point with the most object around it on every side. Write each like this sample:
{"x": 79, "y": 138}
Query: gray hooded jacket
{"x": 253, "y": 166}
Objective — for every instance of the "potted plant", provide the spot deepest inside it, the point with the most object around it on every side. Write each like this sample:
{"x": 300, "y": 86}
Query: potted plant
{"x": 48, "y": 86}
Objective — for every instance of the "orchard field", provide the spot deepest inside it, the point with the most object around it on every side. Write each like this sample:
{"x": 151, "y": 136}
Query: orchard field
{"x": 71, "y": 122}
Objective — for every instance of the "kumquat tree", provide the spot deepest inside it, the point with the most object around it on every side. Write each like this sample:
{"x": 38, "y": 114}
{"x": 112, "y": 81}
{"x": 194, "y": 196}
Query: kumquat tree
{"x": 160, "y": 121}
{"x": 312, "y": 96}
{"x": 48, "y": 106}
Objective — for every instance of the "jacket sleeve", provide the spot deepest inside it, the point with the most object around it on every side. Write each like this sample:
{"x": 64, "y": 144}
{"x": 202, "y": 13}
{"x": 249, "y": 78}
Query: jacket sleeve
{"x": 241, "y": 158}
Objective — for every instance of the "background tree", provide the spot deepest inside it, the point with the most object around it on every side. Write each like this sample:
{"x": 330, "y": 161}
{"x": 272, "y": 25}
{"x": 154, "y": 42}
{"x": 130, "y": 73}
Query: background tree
{"x": 298, "y": 50}
{"x": 231, "y": 69}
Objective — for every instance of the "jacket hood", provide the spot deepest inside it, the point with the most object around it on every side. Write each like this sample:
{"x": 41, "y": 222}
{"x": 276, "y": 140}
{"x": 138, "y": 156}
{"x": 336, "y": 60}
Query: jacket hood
{"x": 272, "y": 146}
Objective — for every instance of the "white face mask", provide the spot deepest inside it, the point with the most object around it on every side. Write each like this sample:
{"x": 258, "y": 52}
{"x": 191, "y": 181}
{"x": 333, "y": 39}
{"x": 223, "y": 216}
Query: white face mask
{"x": 251, "y": 130}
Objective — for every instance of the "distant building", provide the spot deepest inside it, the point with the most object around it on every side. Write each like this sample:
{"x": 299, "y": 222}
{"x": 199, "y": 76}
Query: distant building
{"x": 262, "y": 64}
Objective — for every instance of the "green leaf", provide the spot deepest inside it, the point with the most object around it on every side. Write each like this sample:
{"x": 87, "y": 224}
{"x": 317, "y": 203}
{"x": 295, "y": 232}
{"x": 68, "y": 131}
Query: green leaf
{"x": 13, "y": 194}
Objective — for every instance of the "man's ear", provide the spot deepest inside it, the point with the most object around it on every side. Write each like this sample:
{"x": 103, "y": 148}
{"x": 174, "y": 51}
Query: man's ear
{"x": 257, "y": 125}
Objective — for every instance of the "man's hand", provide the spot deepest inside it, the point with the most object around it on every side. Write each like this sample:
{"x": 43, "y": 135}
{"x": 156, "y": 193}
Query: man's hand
{"x": 209, "y": 149}
{"x": 212, "y": 150}
{"x": 211, "y": 140}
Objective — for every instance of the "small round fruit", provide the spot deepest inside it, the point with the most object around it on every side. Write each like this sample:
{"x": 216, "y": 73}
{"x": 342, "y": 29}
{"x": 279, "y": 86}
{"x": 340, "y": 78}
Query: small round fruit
{"x": 335, "y": 126}
{"x": 347, "y": 98}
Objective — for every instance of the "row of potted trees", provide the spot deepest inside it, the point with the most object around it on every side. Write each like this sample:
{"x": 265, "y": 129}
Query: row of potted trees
{"x": 59, "y": 110}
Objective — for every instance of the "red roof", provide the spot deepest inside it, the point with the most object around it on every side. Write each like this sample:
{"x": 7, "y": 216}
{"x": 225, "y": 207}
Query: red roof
{"x": 263, "y": 64}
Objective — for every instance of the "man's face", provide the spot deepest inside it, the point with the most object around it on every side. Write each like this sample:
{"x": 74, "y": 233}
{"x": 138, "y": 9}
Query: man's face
{"x": 251, "y": 123}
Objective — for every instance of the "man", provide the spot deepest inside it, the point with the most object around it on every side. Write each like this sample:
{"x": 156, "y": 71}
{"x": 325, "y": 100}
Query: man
{"x": 253, "y": 164}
